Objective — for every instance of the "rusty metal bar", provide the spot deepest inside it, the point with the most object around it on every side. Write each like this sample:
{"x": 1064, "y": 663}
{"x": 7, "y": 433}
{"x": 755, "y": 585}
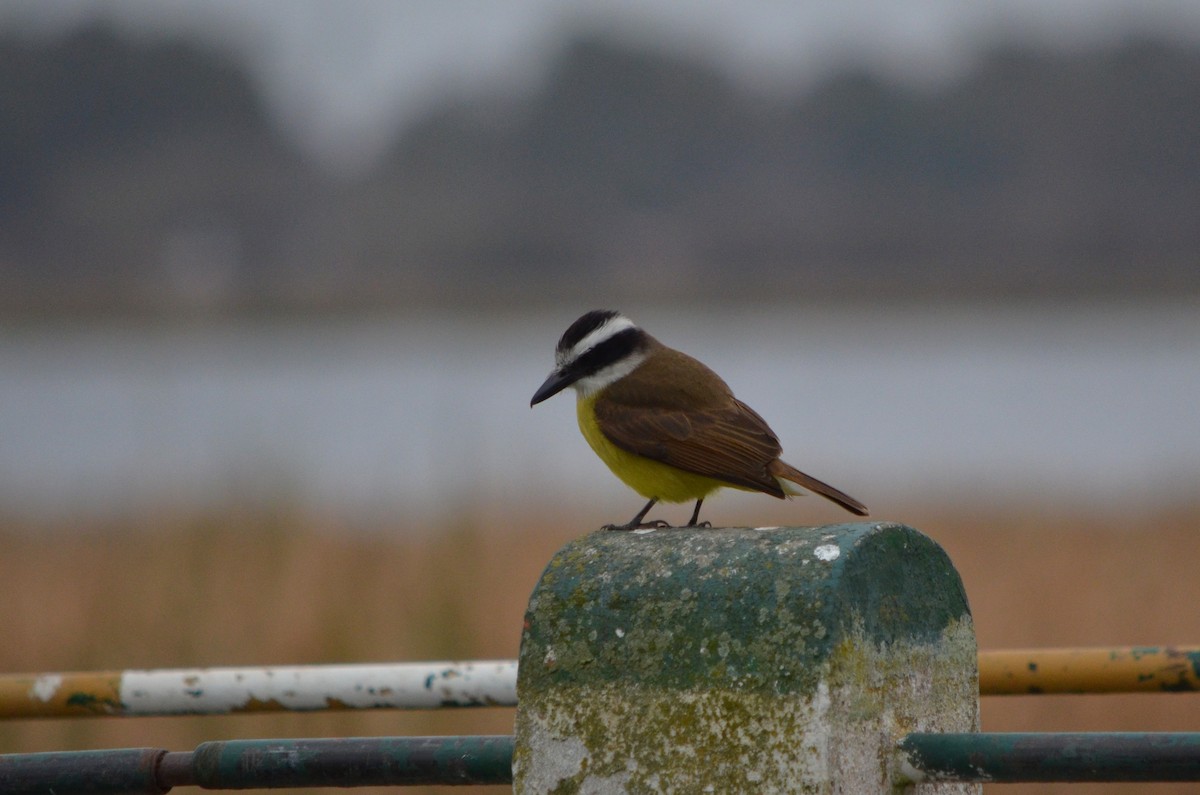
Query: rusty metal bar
{"x": 1010, "y": 758}
{"x": 215, "y": 691}
{"x": 1135, "y": 669}
{"x": 265, "y": 764}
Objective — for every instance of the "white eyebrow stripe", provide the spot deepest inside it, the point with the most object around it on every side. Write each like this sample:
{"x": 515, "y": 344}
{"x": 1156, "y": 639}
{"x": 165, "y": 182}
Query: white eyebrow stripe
{"x": 610, "y": 328}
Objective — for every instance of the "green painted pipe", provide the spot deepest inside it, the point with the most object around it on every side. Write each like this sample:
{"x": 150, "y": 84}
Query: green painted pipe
{"x": 263, "y": 764}
{"x": 380, "y": 761}
{"x": 1014, "y": 757}
{"x": 125, "y": 770}
{"x": 353, "y": 762}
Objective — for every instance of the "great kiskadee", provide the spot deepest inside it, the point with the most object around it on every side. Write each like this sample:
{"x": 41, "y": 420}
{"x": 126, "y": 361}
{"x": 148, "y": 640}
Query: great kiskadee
{"x": 665, "y": 424}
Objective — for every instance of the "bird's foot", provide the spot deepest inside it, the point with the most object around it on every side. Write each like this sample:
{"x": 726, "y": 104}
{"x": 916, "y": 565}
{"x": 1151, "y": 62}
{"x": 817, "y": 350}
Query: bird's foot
{"x": 657, "y": 524}
{"x": 701, "y": 525}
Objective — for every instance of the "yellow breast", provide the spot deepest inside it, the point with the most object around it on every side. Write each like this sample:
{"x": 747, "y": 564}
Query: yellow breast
{"x": 649, "y": 478}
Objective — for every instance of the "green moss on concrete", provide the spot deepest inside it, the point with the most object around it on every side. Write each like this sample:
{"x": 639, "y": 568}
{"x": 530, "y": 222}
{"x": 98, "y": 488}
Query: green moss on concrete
{"x": 657, "y": 609}
{"x": 757, "y": 658}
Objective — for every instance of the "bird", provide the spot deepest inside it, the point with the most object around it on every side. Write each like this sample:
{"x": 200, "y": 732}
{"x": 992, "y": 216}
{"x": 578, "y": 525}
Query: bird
{"x": 665, "y": 424}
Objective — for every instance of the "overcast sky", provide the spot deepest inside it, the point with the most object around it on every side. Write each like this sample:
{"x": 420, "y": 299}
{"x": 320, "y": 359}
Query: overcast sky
{"x": 343, "y": 74}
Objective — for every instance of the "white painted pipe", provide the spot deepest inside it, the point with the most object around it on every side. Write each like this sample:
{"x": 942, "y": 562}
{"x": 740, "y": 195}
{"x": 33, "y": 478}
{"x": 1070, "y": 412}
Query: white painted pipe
{"x": 215, "y": 691}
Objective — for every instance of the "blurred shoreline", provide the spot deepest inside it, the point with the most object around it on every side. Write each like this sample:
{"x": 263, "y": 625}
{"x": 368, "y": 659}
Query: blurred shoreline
{"x": 403, "y": 415}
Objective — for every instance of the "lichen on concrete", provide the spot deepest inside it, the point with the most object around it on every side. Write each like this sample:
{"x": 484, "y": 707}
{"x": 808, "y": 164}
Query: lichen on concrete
{"x": 654, "y": 741}
{"x": 894, "y": 688}
{"x": 739, "y": 660}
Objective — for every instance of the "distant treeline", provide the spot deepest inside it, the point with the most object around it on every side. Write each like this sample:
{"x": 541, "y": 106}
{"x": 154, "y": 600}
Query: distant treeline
{"x": 138, "y": 176}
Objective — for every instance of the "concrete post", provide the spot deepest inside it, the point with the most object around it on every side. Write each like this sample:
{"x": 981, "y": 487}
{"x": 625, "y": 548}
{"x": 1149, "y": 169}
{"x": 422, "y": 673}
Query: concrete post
{"x": 741, "y": 660}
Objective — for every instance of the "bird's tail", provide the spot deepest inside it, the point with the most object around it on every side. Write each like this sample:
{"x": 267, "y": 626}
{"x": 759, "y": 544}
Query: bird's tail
{"x": 787, "y": 472}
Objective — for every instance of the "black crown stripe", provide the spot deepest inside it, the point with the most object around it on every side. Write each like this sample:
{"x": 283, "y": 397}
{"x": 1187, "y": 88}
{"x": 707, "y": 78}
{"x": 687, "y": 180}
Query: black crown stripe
{"x": 584, "y": 326}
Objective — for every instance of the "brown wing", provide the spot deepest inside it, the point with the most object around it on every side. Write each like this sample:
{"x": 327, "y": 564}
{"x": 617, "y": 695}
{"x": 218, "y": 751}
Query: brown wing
{"x": 720, "y": 438}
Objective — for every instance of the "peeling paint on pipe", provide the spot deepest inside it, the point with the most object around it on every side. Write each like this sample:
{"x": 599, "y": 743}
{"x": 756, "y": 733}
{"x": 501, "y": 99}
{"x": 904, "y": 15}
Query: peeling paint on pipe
{"x": 212, "y": 691}
{"x": 216, "y": 691}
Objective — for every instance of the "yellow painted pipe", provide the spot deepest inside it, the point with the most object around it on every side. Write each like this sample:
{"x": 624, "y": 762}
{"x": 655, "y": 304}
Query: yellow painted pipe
{"x": 60, "y": 695}
{"x": 1133, "y": 669}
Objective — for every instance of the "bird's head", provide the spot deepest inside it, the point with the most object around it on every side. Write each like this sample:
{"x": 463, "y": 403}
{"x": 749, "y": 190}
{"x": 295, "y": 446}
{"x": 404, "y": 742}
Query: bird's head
{"x": 598, "y": 349}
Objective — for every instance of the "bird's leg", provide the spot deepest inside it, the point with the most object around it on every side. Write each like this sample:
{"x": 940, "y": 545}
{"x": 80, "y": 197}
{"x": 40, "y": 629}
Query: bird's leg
{"x": 636, "y": 522}
{"x": 696, "y": 515}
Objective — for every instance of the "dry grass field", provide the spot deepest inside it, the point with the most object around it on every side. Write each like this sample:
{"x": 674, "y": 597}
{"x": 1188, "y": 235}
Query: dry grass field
{"x": 250, "y": 588}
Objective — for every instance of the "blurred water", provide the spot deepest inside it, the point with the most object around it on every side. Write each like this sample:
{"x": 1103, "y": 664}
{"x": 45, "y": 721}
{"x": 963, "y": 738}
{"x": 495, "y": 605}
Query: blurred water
{"x": 412, "y": 413}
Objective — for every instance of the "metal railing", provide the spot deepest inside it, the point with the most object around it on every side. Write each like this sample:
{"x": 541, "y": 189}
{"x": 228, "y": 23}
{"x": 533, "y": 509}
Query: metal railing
{"x": 1007, "y": 758}
{"x": 805, "y": 677}
{"x": 220, "y": 691}
{"x": 377, "y": 761}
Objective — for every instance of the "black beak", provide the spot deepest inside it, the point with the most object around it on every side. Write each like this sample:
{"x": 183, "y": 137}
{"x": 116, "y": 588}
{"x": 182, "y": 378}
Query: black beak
{"x": 555, "y": 383}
